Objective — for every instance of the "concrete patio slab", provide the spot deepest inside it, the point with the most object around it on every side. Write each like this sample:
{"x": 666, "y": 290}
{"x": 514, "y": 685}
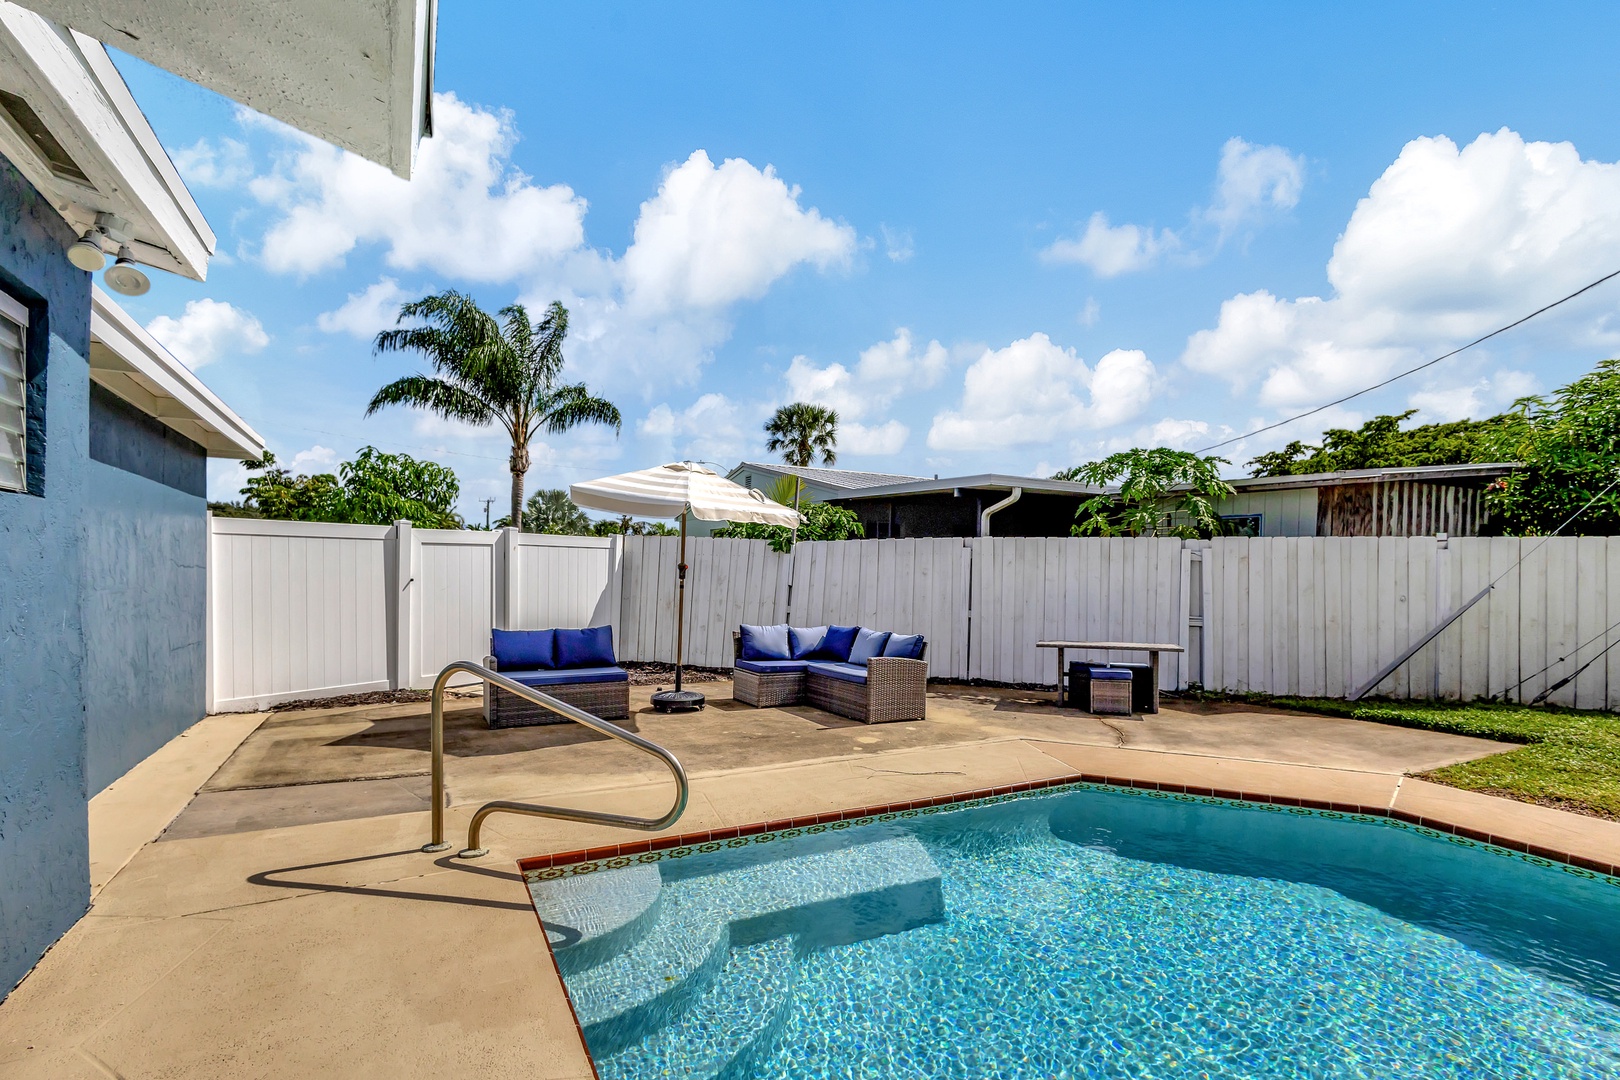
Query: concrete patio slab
{"x": 288, "y": 928}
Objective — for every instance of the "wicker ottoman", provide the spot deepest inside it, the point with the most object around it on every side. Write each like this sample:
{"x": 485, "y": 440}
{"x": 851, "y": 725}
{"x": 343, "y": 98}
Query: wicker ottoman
{"x": 767, "y": 691}
{"x": 1111, "y": 691}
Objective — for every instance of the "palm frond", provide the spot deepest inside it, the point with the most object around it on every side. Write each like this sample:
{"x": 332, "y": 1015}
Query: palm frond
{"x": 437, "y": 395}
{"x": 569, "y": 406}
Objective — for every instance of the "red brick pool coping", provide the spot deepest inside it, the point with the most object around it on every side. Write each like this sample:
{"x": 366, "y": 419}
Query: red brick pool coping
{"x": 662, "y": 843}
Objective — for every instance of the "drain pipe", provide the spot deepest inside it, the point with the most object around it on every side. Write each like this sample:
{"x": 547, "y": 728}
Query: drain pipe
{"x": 984, "y": 515}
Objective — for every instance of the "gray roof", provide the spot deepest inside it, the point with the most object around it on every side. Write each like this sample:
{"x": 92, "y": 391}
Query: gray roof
{"x": 843, "y": 479}
{"x": 979, "y": 482}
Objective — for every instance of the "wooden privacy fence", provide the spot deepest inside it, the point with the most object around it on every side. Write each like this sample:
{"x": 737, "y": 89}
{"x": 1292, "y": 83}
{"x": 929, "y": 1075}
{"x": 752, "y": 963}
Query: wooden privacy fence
{"x": 299, "y": 609}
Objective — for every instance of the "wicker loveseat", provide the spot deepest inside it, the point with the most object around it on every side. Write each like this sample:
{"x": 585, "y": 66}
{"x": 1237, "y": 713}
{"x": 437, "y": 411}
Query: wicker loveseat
{"x": 574, "y": 666}
{"x": 816, "y": 667}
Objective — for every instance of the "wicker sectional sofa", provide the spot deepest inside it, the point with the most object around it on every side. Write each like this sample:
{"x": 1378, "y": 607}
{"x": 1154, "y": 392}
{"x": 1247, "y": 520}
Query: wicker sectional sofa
{"x": 882, "y": 689}
{"x": 573, "y": 666}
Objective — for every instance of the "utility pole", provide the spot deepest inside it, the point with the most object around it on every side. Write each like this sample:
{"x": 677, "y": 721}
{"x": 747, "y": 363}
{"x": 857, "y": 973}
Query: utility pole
{"x": 487, "y": 504}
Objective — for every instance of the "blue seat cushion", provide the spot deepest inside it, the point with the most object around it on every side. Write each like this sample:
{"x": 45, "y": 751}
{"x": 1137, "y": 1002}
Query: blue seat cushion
{"x": 905, "y": 646}
{"x": 804, "y": 642}
{"x": 519, "y": 650}
{"x": 846, "y": 672}
{"x": 570, "y": 675}
{"x": 1110, "y": 674}
{"x": 772, "y": 667}
{"x": 868, "y": 643}
{"x": 836, "y": 645}
{"x": 765, "y": 642}
{"x": 587, "y": 648}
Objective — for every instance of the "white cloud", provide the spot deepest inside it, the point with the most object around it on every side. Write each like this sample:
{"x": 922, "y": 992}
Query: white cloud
{"x": 363, "y": 314}
{"x": 316, "y": 459}
{"x": 1251, "y": 183}
{"x": 1034, "y": 391}
{"x": 714, "y": 235}
{"x": 1176, "y": 434}
{"x": 207, "y": 331}
{"x": 1484, "y": 397}
{"x": 710, "y": 429}
{"x": 888, "y": 437}
{"x": 1111, "y": 250}
{"x": 466, "y": 212}
{"x": 897, "y": 244}
{"x": 1090, "y": 313}
{"x": 1448, "y": 244}
{"x": 223, "y": 164}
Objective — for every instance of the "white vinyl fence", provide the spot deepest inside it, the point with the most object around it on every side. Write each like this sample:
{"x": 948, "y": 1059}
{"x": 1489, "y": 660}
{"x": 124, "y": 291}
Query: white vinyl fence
{"x": 309, "y": 610}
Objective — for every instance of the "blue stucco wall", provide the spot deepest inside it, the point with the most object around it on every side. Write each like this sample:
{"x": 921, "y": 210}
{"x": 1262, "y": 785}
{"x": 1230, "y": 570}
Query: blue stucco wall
{"x": 145, "y": 616}
{"x": 44, "y": 841}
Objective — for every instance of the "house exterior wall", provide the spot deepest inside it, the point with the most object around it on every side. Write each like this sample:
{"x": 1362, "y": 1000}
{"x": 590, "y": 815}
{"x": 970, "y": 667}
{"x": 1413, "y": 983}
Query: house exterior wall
{"x": 44, "y": 840}
{"x": 145, "y": 618}
{"x": 1282, "y": 513}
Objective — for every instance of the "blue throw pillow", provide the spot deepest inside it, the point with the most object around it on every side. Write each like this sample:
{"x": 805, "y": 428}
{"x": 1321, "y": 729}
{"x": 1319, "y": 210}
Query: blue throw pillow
{"x": 906, "y": 646}
{"x": 765, "y": 642}
{"x": 590, "y": 647}
{"x": 523, "y": 650}
{"x": 868, "y": 643}
{"x": 806, "y": 641}
{"x": 836, "y": 645}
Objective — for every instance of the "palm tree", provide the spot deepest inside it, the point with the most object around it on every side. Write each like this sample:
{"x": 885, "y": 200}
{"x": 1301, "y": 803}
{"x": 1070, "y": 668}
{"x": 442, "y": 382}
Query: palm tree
{"x": 801, "y": 431}
{"x": 492, "y": 370}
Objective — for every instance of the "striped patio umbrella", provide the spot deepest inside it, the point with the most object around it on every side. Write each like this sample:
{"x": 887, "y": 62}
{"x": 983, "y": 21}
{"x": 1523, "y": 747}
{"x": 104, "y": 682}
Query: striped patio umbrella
{"x": 680, "y": 489}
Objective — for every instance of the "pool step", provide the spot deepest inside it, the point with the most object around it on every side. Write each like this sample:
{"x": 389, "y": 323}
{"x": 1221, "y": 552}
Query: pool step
{"x": 722, "y": 1033}
{"x": 824, "y": 894}
{"x": 591, "y": 918}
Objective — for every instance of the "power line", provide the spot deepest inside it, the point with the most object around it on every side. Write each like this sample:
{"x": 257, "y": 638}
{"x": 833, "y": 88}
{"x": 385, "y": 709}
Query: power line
{"x": 1410, "y": 371}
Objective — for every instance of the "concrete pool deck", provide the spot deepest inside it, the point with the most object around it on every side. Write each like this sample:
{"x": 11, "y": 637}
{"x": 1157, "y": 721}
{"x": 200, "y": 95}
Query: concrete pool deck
{"x": 284, "y": 927}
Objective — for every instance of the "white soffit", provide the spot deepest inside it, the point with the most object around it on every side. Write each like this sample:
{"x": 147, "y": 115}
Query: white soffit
{"x": 80, "y": 139}
{"x": 127, "y": 360}
{"x": 357, "y": 73}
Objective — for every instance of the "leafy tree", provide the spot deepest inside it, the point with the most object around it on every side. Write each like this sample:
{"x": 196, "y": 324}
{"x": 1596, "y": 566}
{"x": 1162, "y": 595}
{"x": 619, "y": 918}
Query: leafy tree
{"x": 1381, "y": 444}
{"x": 800, "y": 432}
{"x": 492, "y": 370}
{"x": 376, "y": 489}
{"x": 551, "y": 511}
{"x": 627, "y": 526}
{"x": 1569, "y": 443}
{"x": 275, "y": 492}
{"x": 822, "y": 522}
{"x": 1162, "y": 492}
{"x": 380, "y": 489}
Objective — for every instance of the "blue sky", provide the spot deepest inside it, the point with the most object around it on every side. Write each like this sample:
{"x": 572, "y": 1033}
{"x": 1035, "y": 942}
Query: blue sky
{"x": 995, "y": 239}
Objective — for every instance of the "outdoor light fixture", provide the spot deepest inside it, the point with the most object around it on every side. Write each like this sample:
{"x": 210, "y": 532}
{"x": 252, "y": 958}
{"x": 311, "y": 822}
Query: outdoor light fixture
{"x": 125, "y": 277}
{"x": 86, "y": 253}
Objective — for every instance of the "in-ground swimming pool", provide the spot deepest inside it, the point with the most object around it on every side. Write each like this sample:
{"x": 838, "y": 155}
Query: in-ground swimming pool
{"x": 1091, "y": 932}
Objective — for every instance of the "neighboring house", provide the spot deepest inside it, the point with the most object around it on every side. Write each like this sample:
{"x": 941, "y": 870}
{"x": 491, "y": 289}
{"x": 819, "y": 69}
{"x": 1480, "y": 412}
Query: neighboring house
{"x": 958, "y": 505}
{"x": 1417, "y": 501}
{"x": 817, "y": 485}
{"x": 104, "y": 436}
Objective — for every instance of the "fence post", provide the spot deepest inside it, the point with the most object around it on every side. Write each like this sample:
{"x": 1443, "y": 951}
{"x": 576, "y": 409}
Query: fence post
{"x": 401, "y": 606}
{"x": 508, "y": 580}
{"x": 209, "y": 648}
{"x": 615, "y": 585}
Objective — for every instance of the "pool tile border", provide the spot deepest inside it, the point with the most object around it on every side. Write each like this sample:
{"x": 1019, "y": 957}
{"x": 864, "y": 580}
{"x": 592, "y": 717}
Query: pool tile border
{"x": 586, "y": 860}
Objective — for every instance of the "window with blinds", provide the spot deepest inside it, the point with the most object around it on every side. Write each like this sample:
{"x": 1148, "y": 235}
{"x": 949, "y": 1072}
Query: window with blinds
{"x": 13, "y": 396}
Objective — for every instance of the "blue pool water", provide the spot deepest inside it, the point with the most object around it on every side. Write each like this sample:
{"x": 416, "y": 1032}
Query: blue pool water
{"x": 1092, "y": 933}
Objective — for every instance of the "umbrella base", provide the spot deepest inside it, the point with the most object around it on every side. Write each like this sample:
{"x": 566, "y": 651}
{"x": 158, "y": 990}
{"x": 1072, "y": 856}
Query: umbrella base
{"x": 677, "y": 701}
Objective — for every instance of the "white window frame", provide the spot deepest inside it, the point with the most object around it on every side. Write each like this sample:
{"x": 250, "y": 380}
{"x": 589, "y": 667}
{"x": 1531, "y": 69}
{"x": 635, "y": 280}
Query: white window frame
{"x": 13, "y": 311}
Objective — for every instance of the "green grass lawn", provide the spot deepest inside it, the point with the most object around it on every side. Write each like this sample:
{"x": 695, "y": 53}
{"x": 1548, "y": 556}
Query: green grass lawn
{"x": 1569, "y": 759}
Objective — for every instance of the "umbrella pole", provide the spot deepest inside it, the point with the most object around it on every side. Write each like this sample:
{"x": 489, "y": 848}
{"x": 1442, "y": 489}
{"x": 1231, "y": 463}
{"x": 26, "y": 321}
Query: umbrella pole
{"x": 680, "y": 605}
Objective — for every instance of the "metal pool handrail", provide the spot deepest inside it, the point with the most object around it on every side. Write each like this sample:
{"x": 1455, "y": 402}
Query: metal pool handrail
{"x": 561, "y": 708}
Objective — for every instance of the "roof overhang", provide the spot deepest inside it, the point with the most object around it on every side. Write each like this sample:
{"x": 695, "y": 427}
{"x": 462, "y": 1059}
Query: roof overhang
{"x": 1461, "y": 475}
{"x": 982, "y": 482}
{"x": 357, "y": 73}
{"x": 127, "y": 360}
{"x": 105, "y": 159}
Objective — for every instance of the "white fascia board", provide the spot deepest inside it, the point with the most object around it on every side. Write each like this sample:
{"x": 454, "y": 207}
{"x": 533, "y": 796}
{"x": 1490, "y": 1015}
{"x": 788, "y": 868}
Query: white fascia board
{"x": 356, "y": 73}
{"x": 167, "y": 378}
{"x": 70, "y": 82}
